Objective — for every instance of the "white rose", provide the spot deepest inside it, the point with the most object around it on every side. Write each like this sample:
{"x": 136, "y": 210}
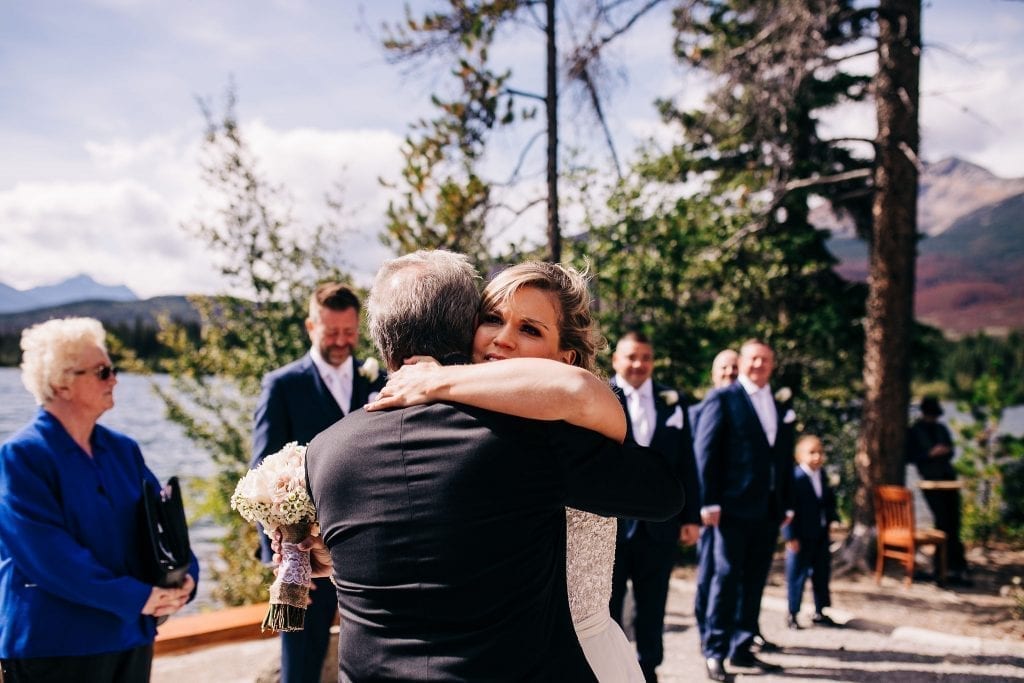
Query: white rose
{"x": 669, "y": 396}
{"x": 783, "y": 394}
{"x": 370, "y": 369}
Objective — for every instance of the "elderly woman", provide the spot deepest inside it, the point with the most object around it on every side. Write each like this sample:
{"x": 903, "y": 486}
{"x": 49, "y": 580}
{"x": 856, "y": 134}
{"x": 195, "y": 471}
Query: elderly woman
{"x": 72, "y": 607}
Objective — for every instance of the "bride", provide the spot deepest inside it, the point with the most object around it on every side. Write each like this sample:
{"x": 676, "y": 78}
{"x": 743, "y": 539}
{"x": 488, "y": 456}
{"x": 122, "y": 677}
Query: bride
{"x": 536, "y": 317}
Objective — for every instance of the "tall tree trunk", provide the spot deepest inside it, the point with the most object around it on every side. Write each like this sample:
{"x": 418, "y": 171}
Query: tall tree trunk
{"x": 551, "y": 106}
{"x": 890, "y": 306}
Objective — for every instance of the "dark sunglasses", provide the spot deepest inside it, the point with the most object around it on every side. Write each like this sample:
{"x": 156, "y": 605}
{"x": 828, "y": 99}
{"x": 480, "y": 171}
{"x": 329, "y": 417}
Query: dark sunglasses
{"x": 103, "y": 372}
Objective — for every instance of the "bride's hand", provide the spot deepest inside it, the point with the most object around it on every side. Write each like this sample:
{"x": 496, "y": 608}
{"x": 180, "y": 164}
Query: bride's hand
{"x": 415, "y": 383}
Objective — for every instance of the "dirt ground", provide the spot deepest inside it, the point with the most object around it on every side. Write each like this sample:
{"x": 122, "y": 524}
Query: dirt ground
{"x": 979, "y": 610}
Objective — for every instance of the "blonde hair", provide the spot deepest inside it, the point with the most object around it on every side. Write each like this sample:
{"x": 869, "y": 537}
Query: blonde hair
{"x": 576, "y": 331}
{"x": 52, "y": 349}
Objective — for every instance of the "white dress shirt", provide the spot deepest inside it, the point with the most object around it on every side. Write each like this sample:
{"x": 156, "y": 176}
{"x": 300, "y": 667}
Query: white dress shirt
{"x": 764, "y": 406}
{"x": 338, "y": 379}
{"x": 815, "y": 477}
{"x": 642, "y": 412}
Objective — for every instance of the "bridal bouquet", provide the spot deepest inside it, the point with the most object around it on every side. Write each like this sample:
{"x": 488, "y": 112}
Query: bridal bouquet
{"x": 274, "y": 495}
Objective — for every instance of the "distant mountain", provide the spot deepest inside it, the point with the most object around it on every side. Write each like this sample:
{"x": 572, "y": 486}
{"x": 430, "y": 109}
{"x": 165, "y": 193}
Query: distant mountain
{"x": 78, "y": 288}
{"x": 110, "y": 313}
{"x": 970, "y": 274}
{"x": 948, "y": 190}
{"x": 134, "y": 322}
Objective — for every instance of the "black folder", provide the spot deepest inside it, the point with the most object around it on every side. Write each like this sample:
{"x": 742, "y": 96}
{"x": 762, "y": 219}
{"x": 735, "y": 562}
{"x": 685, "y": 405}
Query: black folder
{"x": 166, "y": 553}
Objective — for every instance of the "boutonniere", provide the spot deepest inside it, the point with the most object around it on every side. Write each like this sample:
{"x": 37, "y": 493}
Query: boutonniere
{"x": 370, "y": 369}
{"x": 783, "y": 395}
{"x": 669, "y": 396}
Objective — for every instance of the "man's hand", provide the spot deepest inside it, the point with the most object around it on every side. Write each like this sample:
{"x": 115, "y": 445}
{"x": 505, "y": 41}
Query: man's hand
{"x": 793, "y": 546}
{"x": 689, "y": 534}
{"x": 939, "y": 450}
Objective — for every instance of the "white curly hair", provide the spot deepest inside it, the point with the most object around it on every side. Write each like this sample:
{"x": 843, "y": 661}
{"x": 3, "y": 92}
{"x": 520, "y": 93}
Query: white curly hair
{"x": 52, "y": 349}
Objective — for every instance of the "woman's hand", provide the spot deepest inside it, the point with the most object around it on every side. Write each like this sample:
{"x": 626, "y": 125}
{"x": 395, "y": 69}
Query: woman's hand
{"x": 415, "y": 383}
{"x": 166, "y": 601}
{"x": 319, "y": 556}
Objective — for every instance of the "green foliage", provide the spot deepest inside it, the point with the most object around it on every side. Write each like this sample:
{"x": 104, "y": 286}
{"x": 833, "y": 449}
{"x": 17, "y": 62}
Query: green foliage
{"x": 990, "y": 464}
{"x": 445, "y": 201}
{"x": 215, "y": 378}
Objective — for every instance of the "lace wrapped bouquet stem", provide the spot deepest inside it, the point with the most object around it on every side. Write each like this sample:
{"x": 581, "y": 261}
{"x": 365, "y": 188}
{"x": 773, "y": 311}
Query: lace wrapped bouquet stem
{"x": 274, "y": 495}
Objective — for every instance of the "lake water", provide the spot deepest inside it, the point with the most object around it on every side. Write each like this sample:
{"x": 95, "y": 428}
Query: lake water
{"x": 139, "y": 413}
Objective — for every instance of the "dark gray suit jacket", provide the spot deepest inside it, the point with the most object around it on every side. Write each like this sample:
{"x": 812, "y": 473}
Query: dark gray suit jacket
{"x": 446, "y": 525}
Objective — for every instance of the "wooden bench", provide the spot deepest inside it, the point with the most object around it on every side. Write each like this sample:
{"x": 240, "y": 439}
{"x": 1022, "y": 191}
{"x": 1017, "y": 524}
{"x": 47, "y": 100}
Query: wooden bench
{"x": 201, "y": 630}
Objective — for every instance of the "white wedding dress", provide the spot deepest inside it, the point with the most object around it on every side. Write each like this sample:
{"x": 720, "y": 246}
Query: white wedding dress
{"x": 590, "y": 554}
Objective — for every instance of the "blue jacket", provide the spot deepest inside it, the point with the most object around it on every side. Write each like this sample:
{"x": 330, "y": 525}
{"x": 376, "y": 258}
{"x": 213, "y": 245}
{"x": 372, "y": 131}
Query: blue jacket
{"x": 809, "y": 510}
{"x": 69, "y": 550}
{"x": 738, "y": 469}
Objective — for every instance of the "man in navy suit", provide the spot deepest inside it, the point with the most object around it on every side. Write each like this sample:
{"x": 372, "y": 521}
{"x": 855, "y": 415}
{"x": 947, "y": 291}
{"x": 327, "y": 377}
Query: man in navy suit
{"x": 645, "y": 551}
{"x": 744, "y": 451}
{"x": 298, "y": 402}
{"x": 724, "y": 371}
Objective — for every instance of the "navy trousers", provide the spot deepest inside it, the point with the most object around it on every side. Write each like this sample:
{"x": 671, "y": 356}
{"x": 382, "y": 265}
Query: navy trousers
{"x": 302, "y": 652}
{"x": 742, "y": 553}
{"x": 648, "y": 563}
{"x": 813, "y": 560}
{"x": 705, "y": 572}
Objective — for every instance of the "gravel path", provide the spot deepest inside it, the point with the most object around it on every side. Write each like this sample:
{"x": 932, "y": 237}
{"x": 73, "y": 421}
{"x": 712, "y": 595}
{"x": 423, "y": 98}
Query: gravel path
{"x": 864, "y": 650}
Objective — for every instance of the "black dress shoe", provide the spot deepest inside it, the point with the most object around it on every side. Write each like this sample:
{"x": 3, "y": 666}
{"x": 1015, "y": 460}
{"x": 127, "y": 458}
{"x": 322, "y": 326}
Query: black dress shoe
{"x": 649, "y": 675}
{"x": 764, "y": 645}
{"x": 792, "y": 624}
{"x": 716, "y": 669}
{"x": 749, "y": 661}
{"x": 820, "y": 619}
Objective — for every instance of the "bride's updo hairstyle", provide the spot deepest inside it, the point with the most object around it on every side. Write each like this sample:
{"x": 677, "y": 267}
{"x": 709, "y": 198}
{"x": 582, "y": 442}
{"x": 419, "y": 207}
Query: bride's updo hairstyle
{"x": 568, "y": 287}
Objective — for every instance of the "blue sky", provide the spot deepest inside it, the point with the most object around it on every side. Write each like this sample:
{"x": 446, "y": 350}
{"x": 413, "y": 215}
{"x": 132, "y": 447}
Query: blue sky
{"x": 100, "y": 130}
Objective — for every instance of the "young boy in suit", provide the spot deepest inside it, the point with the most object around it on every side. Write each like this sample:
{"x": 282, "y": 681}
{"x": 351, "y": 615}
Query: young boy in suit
{"x": 807, "y": 540}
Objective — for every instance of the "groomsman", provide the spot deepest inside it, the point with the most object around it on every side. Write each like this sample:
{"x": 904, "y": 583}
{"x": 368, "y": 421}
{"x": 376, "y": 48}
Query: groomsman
{"x": 724, "y": 371}
{"x": 744, "y": 447}
{"x": 298, "y": 401}
{"x": 645, "y": 551}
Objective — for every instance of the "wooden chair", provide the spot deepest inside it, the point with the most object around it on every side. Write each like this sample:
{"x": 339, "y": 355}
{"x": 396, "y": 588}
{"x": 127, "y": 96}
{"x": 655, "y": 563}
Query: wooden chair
{"x": 898, "y": 538}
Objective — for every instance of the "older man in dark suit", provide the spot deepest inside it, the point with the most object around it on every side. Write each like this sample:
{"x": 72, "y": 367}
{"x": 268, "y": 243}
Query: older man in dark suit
{"x": 645, "y": 552}
{"x": 724, "y": 371}
{"x": 446, "y": 524}
{"x": 744, "y": 450}
{"x": 299, "y": 401}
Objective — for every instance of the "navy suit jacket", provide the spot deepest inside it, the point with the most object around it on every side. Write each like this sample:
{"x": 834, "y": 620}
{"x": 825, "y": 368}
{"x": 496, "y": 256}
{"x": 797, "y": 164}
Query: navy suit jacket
{"x": 296, "y": 405}
{"x": 676, "y": 445}
{"x": 808, "y": 509}
{"x": 738, "y": 469}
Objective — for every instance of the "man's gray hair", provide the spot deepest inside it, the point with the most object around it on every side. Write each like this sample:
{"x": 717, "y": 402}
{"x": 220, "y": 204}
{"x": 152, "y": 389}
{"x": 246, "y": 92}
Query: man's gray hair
{"x": 424, "y": 304}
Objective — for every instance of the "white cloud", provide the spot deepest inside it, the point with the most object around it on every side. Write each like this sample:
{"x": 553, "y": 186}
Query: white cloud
{"x": 122, "y": 222}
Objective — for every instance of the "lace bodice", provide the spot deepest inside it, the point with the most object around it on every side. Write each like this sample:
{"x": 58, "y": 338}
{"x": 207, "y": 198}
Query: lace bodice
{"x": 590, "y": 554}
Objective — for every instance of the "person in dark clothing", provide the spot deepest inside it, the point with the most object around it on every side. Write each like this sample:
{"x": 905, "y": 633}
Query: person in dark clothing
{"x": 807, "y": 539}
{"x": 930, "y": 448}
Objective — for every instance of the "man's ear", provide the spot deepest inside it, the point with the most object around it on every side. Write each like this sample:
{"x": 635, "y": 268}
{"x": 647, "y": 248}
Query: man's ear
{"x": 309, "y": 325}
